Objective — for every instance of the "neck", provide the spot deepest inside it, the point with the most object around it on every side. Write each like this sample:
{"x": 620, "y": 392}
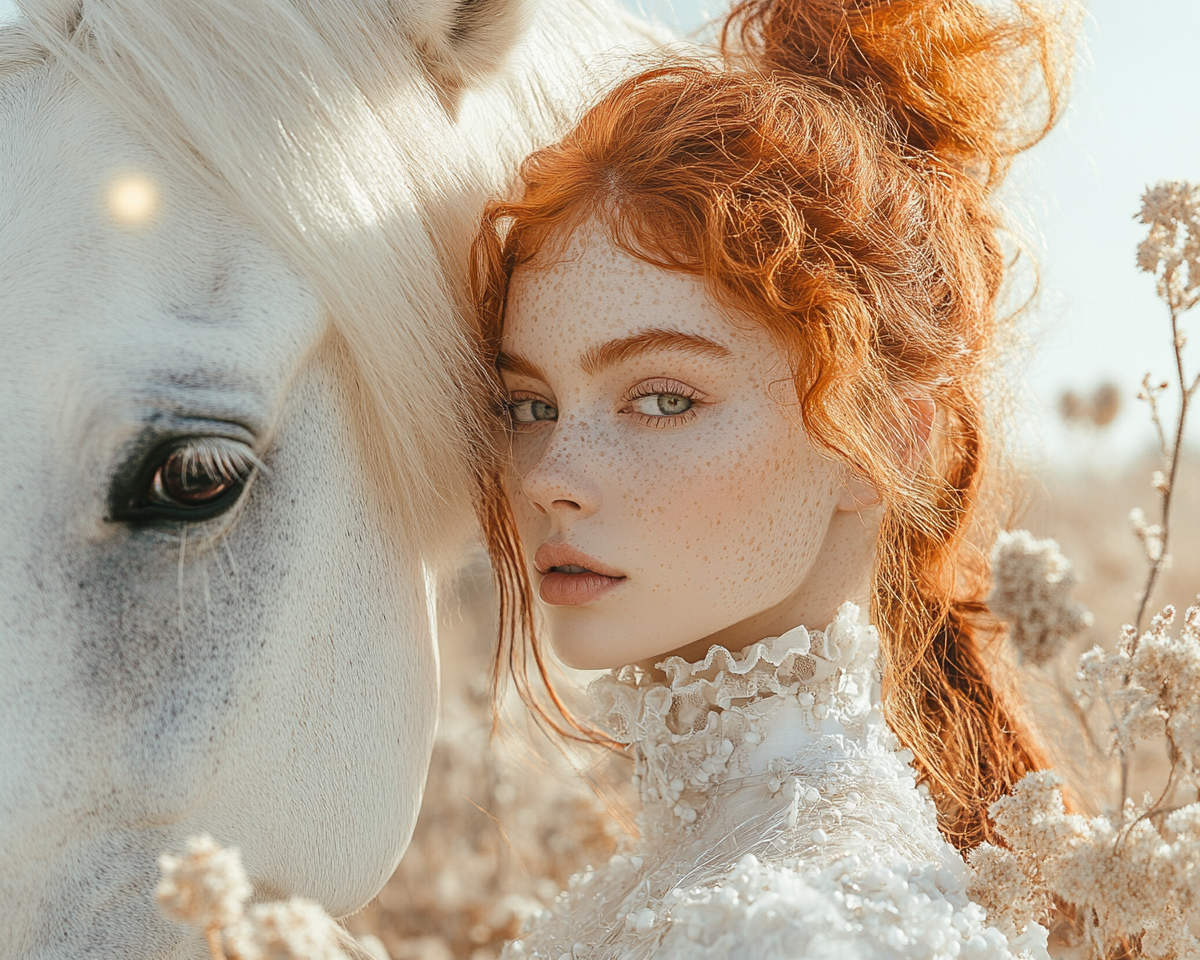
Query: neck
{"x": 841, "y": 571}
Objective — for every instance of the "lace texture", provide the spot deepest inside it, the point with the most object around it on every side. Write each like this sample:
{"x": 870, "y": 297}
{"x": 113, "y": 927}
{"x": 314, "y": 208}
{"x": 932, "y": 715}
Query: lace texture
{"x": 779, "y": 819}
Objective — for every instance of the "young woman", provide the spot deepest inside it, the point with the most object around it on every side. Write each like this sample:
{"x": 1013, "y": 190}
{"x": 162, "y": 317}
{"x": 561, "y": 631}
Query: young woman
{"x": 742, "y": 315}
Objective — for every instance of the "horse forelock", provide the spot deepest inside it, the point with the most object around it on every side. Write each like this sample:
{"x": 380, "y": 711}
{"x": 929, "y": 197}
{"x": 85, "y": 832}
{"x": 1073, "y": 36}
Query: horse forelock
{"x": 316, "y": 123}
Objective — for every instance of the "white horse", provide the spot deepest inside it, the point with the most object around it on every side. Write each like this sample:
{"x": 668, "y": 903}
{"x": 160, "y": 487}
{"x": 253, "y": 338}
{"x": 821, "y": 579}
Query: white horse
{"x": 236, "y": 419}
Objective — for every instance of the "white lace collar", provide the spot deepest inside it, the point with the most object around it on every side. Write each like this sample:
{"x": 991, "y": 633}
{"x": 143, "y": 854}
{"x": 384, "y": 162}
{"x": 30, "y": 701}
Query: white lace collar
{"x": 779, "y": 818}
{"x": 768, "y": 714}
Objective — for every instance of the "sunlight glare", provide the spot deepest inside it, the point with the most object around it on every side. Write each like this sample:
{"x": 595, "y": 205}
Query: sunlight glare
{"x": 132, "y": 200}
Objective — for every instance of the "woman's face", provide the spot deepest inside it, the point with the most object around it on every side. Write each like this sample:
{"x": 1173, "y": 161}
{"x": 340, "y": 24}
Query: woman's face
{"x": 665, "y": 490}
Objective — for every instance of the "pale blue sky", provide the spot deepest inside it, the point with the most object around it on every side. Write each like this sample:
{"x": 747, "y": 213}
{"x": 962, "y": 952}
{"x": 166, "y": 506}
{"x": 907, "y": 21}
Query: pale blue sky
{"x": 1135, "y": 118}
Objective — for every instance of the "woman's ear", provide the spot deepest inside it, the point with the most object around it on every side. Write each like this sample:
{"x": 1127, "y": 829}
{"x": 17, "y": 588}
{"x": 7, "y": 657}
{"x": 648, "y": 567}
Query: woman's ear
{"x": 464, "y": 41}
{"x": 912, "y": 443}
{"x": 857, "y": 494}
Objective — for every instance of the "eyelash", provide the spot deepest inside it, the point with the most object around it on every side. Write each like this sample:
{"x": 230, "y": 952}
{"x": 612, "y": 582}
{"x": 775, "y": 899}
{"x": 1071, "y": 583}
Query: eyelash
{"x": 647, "y": 388}
{"x": 513, "y": 424}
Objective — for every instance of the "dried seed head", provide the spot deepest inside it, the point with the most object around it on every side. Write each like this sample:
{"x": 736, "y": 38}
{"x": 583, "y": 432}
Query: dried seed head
{"x": 206, "y": 887}
{"x": 1031, "y": 585}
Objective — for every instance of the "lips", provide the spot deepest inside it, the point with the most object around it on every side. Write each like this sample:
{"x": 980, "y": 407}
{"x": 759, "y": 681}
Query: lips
{"x": 570, "y": 577}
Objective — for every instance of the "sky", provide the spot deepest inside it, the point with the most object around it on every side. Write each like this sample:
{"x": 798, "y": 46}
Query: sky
{"x": 1134, "y": 119}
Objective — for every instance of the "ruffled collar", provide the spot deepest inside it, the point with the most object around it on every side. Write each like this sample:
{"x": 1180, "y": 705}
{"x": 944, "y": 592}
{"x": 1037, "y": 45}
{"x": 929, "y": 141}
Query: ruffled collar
{"x": 762, "y": 714}
{"x": 778, "y": 810}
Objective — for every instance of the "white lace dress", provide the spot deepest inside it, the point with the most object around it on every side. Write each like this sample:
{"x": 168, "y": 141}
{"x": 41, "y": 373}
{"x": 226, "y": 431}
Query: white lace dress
{"x": 780, "y": 820}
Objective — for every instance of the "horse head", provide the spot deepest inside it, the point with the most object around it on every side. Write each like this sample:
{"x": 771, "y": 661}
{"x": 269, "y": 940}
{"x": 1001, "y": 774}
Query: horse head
{"x": 238, "y": 411}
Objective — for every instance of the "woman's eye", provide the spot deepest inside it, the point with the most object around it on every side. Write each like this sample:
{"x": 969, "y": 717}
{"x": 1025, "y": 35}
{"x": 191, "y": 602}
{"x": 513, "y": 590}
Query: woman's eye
{"x": 532, "y": 411}
{"x": 663, "y": 404}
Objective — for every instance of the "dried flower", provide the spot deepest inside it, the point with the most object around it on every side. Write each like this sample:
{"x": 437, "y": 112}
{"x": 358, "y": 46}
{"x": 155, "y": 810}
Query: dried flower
{"x": 1091, "y": 675}
{"x": 1163, "y": 689}
{"x": 1171, "y": 249}
{"x": 1031, "y": 585}
{"x": 1130, "y": 879}
{"x": 1151, "y": 534}
{"x": 296, "y": 930}
{"x": 1000, "y": 885}
{"x": 206, "y": 887}
{"x": 1131, "y": 873}
{"x": 1124, "y": 875}
{"x": 1034, "y": 822}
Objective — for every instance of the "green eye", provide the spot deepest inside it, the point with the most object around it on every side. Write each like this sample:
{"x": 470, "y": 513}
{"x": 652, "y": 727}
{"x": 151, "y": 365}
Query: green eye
{"x": 670, "y": 404}
{"x": 531, "y": 411}
{"x": 663, "y": 404}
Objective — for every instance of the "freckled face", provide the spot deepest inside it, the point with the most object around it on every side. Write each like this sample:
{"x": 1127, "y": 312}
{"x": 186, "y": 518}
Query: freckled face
{"x": 664, "y": 493}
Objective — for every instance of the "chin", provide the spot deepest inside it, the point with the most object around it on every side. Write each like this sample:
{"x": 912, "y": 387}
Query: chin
{"x": 583, "y": 640}
{"x": 580, "y": 654}
{"x": 587, "y": 640}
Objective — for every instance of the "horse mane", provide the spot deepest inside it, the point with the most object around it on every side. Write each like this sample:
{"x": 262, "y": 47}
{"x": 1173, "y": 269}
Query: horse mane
{"x": 572, "y": 55}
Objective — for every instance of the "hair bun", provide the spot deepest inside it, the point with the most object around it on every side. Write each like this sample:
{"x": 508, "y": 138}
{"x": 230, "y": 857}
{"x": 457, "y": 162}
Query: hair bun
{"x": 970, "y": 83}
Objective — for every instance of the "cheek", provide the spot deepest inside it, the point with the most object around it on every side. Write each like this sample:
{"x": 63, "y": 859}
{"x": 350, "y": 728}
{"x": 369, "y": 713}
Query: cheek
{"x": 528, "y": 519}
{"x": 523, "y": 457}
{"x": 748, "y": 508}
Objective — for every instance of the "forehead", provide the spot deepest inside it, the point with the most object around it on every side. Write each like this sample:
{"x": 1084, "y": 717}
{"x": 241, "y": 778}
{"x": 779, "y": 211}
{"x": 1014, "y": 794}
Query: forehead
{"x": 584, "y": 291}
{"x": 167, "y": 291}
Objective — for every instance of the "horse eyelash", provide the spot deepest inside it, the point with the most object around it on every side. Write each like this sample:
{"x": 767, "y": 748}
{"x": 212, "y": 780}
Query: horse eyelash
{"x": 219, "y": 457}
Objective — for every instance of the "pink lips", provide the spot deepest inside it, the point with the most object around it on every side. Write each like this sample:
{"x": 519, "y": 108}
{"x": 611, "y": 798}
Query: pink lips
{"x": 572, "y": 589}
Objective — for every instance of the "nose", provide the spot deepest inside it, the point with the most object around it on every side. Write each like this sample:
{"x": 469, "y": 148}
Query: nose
{"x": 563, "y": 482}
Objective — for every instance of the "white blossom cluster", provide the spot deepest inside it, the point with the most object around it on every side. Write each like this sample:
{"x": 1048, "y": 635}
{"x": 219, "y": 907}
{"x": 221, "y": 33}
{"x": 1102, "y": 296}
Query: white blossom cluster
{"x": 1152, "y": 685}
{"x": 1171, "y": 250}
{"x": 1031, "y": 587}
{"x": 1132, "y": 873}
{"x": 207, "y": 888}
{"x": 1121, "y": 873}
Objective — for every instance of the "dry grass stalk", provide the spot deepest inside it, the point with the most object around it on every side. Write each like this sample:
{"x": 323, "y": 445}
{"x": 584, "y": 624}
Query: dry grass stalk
{"x": 1132, "y": 873}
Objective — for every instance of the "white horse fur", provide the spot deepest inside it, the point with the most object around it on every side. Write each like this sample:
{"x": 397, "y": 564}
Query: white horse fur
{"x": 238, "y": 229}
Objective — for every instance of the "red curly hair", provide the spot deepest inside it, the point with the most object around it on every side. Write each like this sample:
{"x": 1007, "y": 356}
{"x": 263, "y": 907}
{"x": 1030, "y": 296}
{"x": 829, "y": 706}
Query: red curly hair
{"x": 832, "y": 179}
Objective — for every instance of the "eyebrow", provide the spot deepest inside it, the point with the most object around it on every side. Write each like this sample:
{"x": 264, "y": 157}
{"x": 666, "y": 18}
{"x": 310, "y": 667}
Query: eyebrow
{"x": 517, "y": 364}
{"x": 597, "y": 359}
{"x": 655, "y": 340}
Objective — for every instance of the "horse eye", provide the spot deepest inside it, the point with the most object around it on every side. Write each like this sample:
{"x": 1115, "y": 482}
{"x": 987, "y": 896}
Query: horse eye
{"x": 188, "y": 480}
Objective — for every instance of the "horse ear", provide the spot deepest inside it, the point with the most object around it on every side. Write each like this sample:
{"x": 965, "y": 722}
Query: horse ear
{"x": 61, "y": 17}
{"x": 465, "y": 41}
